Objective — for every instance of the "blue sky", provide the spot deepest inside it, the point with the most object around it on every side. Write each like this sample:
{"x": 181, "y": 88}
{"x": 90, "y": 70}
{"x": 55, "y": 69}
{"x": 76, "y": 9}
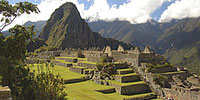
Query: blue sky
{"x": 134, "y": 11}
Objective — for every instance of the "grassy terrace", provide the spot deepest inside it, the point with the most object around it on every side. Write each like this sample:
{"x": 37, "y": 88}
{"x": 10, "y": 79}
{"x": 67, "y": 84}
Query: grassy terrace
{"x": 124, "y": 69}
{"x": 83, "y": 91}
{"x": 139, "y": 95}
{"x": 174, "y": 72}
{"x": 125, "y": 84}
{"x": 73, "y": 58}
{"x": 131, "y": 74}
{"x": 87, "y": 62}
{"x": 79, "y": 67}
{"x": 63, "y": 71}
{"x": 63, "y": 61}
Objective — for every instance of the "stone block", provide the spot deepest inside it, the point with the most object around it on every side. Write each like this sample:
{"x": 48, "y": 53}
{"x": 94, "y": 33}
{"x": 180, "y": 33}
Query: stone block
{"x": 120, "y": 65}
{"x": 126, "y": 71}
{"x": 77, "y": 69}
{"x": 127, "y": 78}
{"x": 5, "y": 93}
{"x": 132, "y": 89}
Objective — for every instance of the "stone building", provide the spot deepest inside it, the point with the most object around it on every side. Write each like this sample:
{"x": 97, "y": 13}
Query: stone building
{"x": 133, "y": 56}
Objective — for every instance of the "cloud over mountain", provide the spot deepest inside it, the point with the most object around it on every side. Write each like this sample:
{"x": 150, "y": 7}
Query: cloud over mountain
{"x": 181, "y": 9}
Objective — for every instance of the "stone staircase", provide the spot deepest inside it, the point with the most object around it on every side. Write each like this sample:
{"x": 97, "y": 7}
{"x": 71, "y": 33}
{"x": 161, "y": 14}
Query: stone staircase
{"x": 129, "y": 83}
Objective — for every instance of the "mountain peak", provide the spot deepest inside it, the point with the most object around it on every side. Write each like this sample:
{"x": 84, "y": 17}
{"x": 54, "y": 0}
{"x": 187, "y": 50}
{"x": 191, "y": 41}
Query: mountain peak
{"x": 66, "y": 28}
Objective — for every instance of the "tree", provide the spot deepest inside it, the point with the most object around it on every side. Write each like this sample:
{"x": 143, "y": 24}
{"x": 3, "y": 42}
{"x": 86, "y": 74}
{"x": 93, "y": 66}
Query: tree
{"x": 11, "y": 12}
{"x": 12, "y": 58}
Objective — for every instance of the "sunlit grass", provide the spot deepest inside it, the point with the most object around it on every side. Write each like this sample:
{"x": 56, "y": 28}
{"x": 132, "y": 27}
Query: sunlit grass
{"x": 64, "y": 72}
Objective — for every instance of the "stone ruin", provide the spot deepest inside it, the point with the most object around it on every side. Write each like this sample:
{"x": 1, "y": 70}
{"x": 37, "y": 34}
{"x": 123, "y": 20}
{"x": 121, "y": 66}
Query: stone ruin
{"x": 5, "y": 93}
{"x": 179, "y": 79}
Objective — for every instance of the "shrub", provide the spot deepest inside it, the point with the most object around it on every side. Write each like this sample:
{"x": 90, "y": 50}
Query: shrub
{"x": 106, "y": 69}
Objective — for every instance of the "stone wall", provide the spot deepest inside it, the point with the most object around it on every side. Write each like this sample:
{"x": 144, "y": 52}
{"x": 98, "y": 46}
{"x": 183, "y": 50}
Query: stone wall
{"x": 50, "y": 53}
{"x": 165, "y": 69}
{"x": 73, "y": 60}
{"x": 131, "y": 89}
{"x": 70, "y": 53}
{"x": 194, "y": 80}
{"x": 183, "y": 75}
{"x": 93, "y": 56}
{"x": 62, "y": 64}
{"x": 123, "y": 79}
{"x": 180, "y": 93}
{"x": 87, "y": 65}
{"x": 5, "y": 93}
{"x": 77, "y": 69}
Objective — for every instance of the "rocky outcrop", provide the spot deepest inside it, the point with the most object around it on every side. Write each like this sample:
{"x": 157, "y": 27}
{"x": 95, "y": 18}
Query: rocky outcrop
{"x": 67, "y": 29}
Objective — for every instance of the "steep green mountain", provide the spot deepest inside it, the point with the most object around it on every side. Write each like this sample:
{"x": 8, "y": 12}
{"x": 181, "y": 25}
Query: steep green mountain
{"x": 66, "y": 28}
{"x": 181, "y": 44}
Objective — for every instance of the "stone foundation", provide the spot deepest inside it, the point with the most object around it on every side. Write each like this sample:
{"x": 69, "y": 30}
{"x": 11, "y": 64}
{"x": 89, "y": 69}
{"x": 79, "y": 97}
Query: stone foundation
{"x": 131, "y": 89}
{"x": 165, "y": 69}
{"x": 129, "y": 78}
{"x": 77, "y": 69}
{"x": 88, "y": 65}
{"x": 73, "y": 60}
{"x": 182, "y": 74}
{"x": 5, "y": 93}
{"x": 120, "y": 65}
{"x": 62, "y": 64}
{"x": 124, "y": 72}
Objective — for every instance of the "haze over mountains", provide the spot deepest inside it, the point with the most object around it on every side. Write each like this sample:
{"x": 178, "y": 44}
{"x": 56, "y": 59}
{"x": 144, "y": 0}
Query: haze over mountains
{"x": 178, "y": 40}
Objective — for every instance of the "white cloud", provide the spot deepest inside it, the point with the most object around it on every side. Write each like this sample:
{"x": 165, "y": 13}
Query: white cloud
{"x": 181, "y": 9}
{"x": 135, "y": 11}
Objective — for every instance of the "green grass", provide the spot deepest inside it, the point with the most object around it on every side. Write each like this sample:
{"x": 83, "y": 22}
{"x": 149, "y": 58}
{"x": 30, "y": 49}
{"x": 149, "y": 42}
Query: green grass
{"x": 125, "y": 84}
{"x": 89, "y": 69}
{"x": 80, "y": 67}
{"x": 63, "y": 71}
{"x": 174, "y": 72}
{"x": 86, "y": 91}
{"x": 63, "y": 61}
{"x": 139, "y": 95}
{"x": 124, "y": 69}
